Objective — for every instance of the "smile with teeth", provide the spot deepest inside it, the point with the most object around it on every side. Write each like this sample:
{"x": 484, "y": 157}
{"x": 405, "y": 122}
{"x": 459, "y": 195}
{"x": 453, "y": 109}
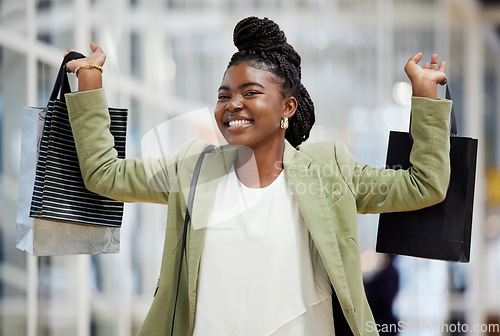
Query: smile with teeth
{"x": 243, "y": 122}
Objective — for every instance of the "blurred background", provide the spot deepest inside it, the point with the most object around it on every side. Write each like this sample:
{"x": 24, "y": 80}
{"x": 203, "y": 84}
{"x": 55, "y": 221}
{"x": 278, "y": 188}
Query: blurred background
{"x": 167, "y": 57}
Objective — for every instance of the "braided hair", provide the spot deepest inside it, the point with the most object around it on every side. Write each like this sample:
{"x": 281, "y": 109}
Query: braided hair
{"x": 263, "y": 43}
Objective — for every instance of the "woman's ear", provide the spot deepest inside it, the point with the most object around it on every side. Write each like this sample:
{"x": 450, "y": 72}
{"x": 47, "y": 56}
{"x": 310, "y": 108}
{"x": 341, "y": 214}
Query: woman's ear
{"x": 290, "y": 105}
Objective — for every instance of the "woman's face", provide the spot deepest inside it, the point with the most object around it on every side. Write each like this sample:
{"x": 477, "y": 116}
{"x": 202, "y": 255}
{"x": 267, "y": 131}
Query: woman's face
{"x": 250, "y": 107}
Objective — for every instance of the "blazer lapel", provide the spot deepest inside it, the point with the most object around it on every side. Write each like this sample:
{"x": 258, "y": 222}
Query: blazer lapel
{"x": 308, "y": 188}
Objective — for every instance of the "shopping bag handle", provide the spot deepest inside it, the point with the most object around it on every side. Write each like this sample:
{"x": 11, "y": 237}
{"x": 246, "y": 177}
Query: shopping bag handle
{"x": 453, "y": 119}
{"x": 187, "y": 219}
{"x": 61, "y": 85}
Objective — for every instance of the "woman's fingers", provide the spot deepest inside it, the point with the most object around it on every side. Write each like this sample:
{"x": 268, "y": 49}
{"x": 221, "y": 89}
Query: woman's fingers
{"x": 415, "y": 59}
{"x": 98, "y": 57}
{"x": 442, "y": 66}
{"x": 434, "y": 62}
{"x": 412, "y": 65}
{"x": 72, "y": 65}
{"x": 68, "y": 51}
{"x": 439, "y": 67}
{"x": 94, "y": 46}
{"x": 433, "y": 65}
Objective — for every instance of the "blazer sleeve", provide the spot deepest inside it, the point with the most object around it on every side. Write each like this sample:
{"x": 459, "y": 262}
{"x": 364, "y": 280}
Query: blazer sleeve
{"x": 425, "y": 183}
{"x": 127, "y": 180}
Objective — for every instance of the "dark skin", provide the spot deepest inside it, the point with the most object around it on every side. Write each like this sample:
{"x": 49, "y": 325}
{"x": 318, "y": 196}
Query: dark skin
{"x": 254, "y": 102}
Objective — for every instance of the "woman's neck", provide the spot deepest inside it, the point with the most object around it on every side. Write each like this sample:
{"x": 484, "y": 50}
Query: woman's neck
{"x": 259, "y": 167}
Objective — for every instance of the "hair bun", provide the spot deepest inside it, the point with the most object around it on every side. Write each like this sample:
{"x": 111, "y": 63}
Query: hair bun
{"x": 257, "y": 34}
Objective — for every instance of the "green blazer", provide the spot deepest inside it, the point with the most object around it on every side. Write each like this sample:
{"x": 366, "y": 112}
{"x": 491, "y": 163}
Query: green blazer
{"x": 329, "y": 184}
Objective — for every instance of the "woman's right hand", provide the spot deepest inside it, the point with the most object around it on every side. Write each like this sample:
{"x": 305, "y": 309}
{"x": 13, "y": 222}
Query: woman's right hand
{"x": 98, "y": 57}
{"x": 88, "y": 78}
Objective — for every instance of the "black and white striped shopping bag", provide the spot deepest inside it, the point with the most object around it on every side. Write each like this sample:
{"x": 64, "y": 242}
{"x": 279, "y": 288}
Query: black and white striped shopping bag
{"x": 59, "y": 192}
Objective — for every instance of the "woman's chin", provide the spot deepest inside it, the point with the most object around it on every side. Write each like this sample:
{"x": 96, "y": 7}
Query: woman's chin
{"x": 237, "y": 141}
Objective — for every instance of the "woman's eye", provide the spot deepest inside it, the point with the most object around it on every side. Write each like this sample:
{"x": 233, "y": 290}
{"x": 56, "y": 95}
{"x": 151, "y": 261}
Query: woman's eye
{"x": 251, "y": 93}
{"x": 222, "y": 97}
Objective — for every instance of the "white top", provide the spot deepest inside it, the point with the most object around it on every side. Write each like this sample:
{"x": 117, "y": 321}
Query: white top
{"x": 256, "y": 275}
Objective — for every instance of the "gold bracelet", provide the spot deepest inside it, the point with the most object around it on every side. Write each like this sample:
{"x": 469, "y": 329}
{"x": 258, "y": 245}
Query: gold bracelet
{"x": 88, "y": 66}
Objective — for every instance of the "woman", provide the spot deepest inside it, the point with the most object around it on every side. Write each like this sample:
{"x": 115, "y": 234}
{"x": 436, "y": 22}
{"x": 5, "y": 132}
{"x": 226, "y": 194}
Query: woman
{"x": 273, "y": 247}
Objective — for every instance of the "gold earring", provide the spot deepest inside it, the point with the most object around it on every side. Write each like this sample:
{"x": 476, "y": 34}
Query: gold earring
{"x": 284, "y": 123}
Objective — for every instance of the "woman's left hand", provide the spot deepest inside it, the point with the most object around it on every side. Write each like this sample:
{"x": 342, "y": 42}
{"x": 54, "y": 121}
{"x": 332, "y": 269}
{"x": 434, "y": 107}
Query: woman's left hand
{"x": 424, "y": 79}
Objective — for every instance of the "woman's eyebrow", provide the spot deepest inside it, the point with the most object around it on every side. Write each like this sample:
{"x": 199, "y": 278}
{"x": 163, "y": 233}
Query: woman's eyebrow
{"x": 242, "y": 86}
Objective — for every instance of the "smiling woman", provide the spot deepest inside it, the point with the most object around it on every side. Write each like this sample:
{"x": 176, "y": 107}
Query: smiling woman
{"x": 250, "y": 107}
{"x": 249, "y": 111}
{"x": 263, "y": 45}
{"x": 272, "y": 248}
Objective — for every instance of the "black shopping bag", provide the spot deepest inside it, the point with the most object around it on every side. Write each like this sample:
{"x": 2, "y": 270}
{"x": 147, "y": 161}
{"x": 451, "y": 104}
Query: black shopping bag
{"x": 442, "y": 231}
{"x": 59, "y": 192}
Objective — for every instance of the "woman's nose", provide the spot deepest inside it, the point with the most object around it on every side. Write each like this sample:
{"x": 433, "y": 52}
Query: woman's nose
{"x": 234, "y": 105}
